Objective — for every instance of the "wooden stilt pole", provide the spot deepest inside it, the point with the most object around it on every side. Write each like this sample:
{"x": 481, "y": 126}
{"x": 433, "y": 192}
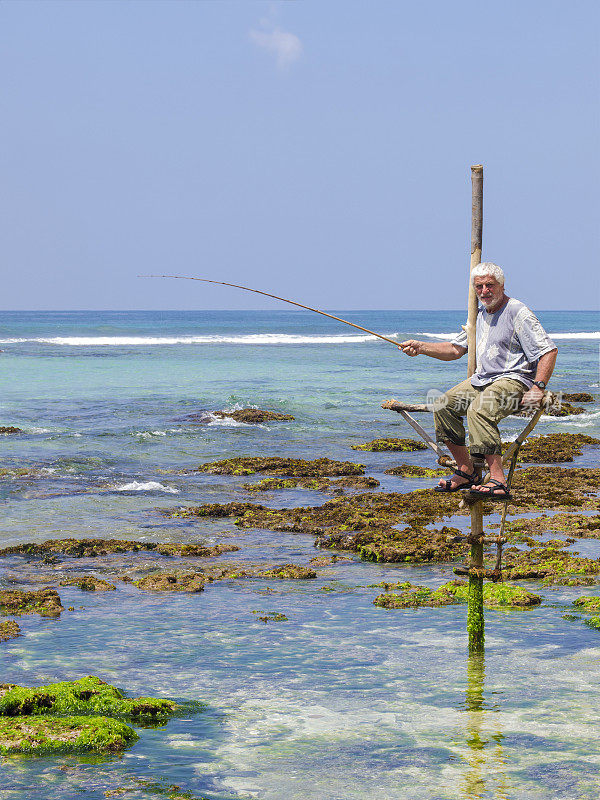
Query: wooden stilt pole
{"x": 475, "y": 621}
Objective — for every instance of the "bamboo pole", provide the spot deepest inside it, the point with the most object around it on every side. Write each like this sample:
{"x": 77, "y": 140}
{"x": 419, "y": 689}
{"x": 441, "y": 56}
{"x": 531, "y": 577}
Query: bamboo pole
{"x": 475, "y": 620}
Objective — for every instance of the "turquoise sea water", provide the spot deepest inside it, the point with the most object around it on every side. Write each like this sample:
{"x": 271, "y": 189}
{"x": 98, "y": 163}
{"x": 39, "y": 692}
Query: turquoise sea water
{"x": 343, "y": 701}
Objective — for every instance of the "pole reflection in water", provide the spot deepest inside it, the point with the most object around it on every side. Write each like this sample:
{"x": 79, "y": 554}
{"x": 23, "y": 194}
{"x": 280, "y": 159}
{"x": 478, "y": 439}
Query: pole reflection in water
{"x": 484, "y": 757}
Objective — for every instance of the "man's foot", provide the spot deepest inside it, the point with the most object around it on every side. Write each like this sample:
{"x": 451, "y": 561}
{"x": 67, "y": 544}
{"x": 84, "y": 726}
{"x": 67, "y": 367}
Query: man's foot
{"x": 460, "y": 480}
{"x": 492, "y": 490}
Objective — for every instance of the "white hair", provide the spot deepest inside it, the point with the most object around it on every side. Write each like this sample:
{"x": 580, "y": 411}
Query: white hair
{"x": 488, "y": 268}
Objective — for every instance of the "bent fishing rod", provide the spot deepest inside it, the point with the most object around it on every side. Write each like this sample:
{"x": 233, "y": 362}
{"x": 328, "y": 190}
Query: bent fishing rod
{"x": 276, "y": 297}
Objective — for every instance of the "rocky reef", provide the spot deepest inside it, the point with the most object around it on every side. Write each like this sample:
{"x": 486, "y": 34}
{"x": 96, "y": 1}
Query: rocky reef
{"x": 288, "y": 467}
{"x": 9, "y": 630}
{"x": 495, "y": 595}
{"x": 336, "y": 485}
{"x": 49, "y": 736}
{"x": 555, "y": 447}
{"x": 45, "y": 602}
{"x": 254, "y": 416}
{"x": 94, "y": 548}
{"x": 89, "y": 583}
{"x": 392, "y": 445}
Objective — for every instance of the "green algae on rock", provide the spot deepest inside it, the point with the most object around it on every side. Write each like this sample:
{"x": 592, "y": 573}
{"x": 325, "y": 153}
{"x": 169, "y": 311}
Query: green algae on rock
{"x": 9, "y": 630}
{"x": 271, "y": 616}
{"x": 581, "y": 526}
{"x": 554, "y": 447}
{"x": 541, "y": 488}
{"x": 578, "y": 397}
{"x": 289, "y": 572}
{"x": 45, "y": 735}
{"x": 539, "y": 562}
{"x": 89, "y": 583}
{"x": 413, "y": 471}
{"x": 253, "y": 416}
{"x": 172, "y": 581}
{"x": 391, "y": 445}
{"x": 357, "y": 483}
{"x": 94, "y": 548}
{"x": 587, "y": 603}
{"x": 45, "y": 602}
{"x": 85, "y": 696}
{"x": 495, "y": 595}
{"x": 556, "y": 581}
{"x": 288, "y": 467}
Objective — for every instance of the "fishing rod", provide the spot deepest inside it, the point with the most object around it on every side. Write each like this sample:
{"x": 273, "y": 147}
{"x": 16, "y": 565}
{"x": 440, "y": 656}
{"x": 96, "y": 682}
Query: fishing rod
{"x": 276, "y": 297}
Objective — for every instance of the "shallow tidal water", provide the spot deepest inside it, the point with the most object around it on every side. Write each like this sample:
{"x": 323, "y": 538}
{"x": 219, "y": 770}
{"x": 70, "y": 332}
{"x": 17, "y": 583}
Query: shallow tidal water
{"x": 344, "y": 700}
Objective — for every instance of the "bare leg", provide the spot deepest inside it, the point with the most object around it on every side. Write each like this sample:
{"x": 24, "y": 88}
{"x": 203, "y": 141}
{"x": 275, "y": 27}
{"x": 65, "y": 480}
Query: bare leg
{"x": 494, "y": 463}
{"x": 463, "y": 461}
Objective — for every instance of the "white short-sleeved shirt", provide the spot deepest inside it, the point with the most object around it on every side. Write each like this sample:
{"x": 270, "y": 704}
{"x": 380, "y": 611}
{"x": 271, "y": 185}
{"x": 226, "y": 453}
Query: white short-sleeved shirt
{"x": 510, "y": 342}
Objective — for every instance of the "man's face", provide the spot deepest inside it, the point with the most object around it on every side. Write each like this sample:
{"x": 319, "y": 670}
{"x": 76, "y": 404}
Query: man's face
{"x": 489, "y": 291}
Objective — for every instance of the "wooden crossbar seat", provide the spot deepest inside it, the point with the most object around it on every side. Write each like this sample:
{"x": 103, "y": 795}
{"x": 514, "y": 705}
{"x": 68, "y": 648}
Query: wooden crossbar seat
{"x": 446, "y": 460}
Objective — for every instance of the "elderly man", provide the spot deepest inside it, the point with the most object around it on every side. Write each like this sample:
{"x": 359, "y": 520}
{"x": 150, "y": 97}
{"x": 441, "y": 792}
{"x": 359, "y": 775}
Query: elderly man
{"x": 515, "y": 360}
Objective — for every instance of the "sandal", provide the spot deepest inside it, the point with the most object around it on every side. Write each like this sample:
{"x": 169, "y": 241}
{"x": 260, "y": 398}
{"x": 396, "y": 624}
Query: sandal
{"x": 499, "y": 491}
{"x": 447, "y": 485}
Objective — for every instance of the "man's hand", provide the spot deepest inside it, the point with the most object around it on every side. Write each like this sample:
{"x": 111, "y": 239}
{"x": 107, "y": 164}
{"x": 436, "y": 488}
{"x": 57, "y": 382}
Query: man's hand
{"x": 411, "y": 347}
{"x": 533, "y": 398}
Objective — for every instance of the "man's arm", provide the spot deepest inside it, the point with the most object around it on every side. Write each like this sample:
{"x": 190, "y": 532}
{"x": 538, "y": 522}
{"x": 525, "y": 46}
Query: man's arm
{"x": 444, "y": 351}
{"x": 544, "y": 371}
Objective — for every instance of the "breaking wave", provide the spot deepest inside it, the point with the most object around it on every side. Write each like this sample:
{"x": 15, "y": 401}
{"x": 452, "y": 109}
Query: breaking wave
{"x": 145, "y": 486}
{"x": 152, "y": 341}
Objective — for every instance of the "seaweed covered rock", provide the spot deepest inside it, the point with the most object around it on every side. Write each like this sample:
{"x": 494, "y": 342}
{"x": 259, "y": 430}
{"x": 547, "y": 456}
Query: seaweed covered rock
{"x": 172, "y": 581}
{"x": 578, "y": 397}
{"x": 47, "y": 736}
{"x": 495, "y": 595}
{"x": 392, "y": 445}
{"x": 9, "y": 630}
{"x": 85, "y": 696}
{"x": 289, "y": 467}
{"x": 7, "y": 429}
{"x": 541, "y": 488}
{"x": 253, "y": 416}
{"x": 413, "y": 471}
{"x": 556, "y": 581}
{"x": 89, "y": 583}
{"x": 289, "y": 572}
{"x": 357, "y": 483}
{"x": 587, "y": 603}
{"x": 555, "y": 447}
{"x": 271, "y": 616}
{"x": 94, "y": 548}
{"x": 538, "y": 562}
{"x": 581, "y": 526}
{"x": 45, "y": 602}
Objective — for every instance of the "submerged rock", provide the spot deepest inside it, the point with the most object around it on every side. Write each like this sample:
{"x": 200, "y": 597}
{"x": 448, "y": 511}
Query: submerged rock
{"x": 289, "y": 572}
{"x": 85, "y": 696}
{"x": 9, "y": 630}
{"x": 48, "y": 736}
{"x": 393, "y": 445}
{"x": 494, "y": 595}
{"x": 275, "y": 465}
{"x": 271, "y": 616}
{"x": 253, "y": 415}
{"x": 555, "y": 447}
{"x": 45, "y": 602}
{"x": 175, "y": 581}
{"x": 89, "y": 583}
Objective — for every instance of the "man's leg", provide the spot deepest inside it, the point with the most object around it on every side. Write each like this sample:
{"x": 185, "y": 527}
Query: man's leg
{"x": 450, "y": 430}
{"x": 496, "y": 401}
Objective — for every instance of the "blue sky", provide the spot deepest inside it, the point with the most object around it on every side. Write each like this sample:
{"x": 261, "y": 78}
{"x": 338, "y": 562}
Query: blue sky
{"x": 318, "y": 149}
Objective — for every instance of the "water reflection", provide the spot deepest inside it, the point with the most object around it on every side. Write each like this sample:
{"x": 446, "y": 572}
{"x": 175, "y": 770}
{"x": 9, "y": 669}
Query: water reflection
{"x": 485, "y": 758}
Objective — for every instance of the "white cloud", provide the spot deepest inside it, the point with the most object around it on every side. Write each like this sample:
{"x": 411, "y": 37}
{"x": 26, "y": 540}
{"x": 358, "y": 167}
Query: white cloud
{"x": 286, "y": 46}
